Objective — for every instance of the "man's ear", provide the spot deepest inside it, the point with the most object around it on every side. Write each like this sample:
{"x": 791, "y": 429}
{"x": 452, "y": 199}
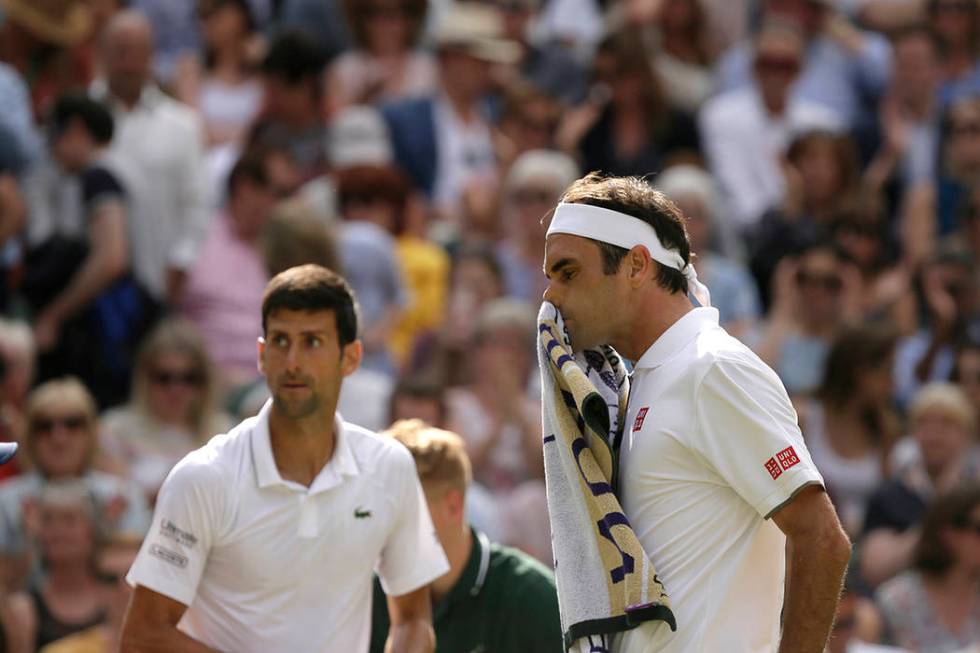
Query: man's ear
{"x": 351, "y": 357}
{"x": 260, "y": 354}
{"x": 640, "y": 265}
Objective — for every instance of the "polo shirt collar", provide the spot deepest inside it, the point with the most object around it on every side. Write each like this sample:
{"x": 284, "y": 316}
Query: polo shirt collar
{"x": 474, "y": 574}
{"x": 343, "y": 462}
{"x": 677, "y": 335}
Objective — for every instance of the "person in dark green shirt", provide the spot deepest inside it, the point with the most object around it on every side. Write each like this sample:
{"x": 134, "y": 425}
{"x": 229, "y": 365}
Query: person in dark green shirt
{"x": 494, "y": 599}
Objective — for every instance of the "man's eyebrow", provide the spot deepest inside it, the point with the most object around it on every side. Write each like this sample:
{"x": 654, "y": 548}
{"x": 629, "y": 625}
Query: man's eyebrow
{"x": 558, "y": 265}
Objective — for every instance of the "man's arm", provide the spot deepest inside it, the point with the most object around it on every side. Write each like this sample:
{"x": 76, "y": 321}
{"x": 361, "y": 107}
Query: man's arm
{"x": 411, "y": 623}
{"x": 818, "y": 555}
{"x": 150, "y": 626}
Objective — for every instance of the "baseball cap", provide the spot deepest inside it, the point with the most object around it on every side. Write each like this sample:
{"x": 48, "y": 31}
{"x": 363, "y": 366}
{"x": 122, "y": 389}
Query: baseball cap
{"x": 7, "y": 451}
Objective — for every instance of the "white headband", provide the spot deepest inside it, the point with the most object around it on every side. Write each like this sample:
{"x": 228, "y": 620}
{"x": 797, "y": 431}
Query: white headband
{"x": 621, "y": 230}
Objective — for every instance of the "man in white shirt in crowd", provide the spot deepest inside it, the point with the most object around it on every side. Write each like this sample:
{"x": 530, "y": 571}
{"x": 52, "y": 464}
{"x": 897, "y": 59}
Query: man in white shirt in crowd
{"x": 715, "y": 477}
{"x": 160, "y": 145}
{"x": 266, "y": 538}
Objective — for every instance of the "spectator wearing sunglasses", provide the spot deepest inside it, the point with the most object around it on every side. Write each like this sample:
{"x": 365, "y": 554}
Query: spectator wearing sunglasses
{"x": 61, "y": 443}
{"x": 956, "y": 24}
{"x": 385, "y": 63}
{"x": 814, "y": 294}
{"x": 935, "y": 606}
{"x": 172, "y": 408}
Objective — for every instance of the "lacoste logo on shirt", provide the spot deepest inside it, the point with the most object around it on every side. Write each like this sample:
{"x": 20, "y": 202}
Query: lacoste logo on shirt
{"x": 360, "y": 513}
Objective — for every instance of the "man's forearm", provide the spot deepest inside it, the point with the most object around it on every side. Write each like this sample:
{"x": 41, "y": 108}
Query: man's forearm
{"x": 160, "y": 640}
{"x": 816, "y": 571}
{"x": 415, "y": 636}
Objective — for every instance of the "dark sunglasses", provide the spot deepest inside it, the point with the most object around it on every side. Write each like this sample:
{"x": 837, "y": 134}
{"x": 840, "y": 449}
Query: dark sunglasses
{"x": 966, "y": 129}
{"x": 386, "y": 11}
{"x": 781, "y": 65}
{"x": 829, "y": 282}
{"x": 970, "y": 527}
{"x": 192, "y": 379}
{"x": 47, "y": 425}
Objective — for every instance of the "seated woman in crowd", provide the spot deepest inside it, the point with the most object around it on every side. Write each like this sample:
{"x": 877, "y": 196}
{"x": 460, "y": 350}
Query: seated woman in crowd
{"x": 815, "y": 295}
{"x": 61, "y": 443}
{"x": 850, "y": 425}
{"x": 385, "y": 64}
{"x": 171, "y": 412}
{"x": 71, "y": 597}
{"x": 935, "y": 606}
{"x": 226, "y": 91}
{"x": 940, "y": 454}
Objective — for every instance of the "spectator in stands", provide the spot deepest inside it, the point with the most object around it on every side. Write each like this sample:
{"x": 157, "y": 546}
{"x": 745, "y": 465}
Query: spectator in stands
{"x": 386, "y": 63}
{"x": 857, "y": 626}
{"x": 292, "y": 116}
{"x": 90, "y": 311}
{"x": 552, "y": 70}
{"x": 844, "y": 69}
{"x": 71, "y": 598}
{"x": 222, "y": 84}
{"x": 935, "y": 606}
{"x": 850, "y": 426}
{"x": 960, "y": 172}
{"x": 113, "y": 561}
{"x": 443, "y": 141}
{"x": 372, "y": 202}
{"x": 421, "y": 399}
{"x": 532, "y": 187}
{"x": 940, "y": 454}
{"x": 160, "y": 143}
{"x": 296, "y": 235}
{"x": 684, "y": 53}
{"x": 634, "y": 130}
{"x": 13, "y": 216}
{"x": 966, "y": 371}
{"x": 45, "y": 43}
{"x": 814, "y": 294}
{"x": 957, "y": 27}
{"x": 950, "y": 301}
{"x": 223, "y": 293}
{"x": 529, "y": 120}
{"x": 172, "y": 408}
{"x": 61, "y": 442}
{"x": 745, "y": 131}
{"x": 499, "y": 419}
{"x": 733, "y": 291}
{"x": 487, "y": 585}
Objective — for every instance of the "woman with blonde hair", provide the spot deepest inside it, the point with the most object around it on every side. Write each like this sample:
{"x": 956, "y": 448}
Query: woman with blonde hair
{"x": 61, "y": 443}
{"x": 171, "y": 410}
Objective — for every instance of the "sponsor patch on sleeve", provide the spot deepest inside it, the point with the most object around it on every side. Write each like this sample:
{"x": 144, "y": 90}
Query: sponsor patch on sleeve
{"x": 781, "y": 462}
{"x": 168, "y": 556}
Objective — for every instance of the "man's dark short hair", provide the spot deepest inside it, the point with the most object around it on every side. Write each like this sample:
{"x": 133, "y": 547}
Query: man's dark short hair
{"x": 425, "y": 389}
{"x": 293, "y": 57}
{"x": 313, "y": 288}
{"x": 251, "y": 166}
{"x": 94, "y": 116}
{"x": 634, "y": 196}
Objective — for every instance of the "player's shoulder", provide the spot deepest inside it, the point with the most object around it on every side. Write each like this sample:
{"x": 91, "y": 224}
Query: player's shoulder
{"x": 213, "y": 463}
{"x": 375, "y": 452}
{"x": 721, "y": 355}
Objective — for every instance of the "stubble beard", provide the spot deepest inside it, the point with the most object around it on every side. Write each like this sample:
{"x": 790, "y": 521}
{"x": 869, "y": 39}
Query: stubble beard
{"x": 297, "y": 409}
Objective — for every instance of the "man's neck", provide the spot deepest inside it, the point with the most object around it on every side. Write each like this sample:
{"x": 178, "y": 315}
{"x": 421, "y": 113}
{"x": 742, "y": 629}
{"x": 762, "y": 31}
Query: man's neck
{"x": 458, "y": 550}
{"x": 651, "y": 322}
{"x": 301, "y": 447}
{"x": 462, "y": 105}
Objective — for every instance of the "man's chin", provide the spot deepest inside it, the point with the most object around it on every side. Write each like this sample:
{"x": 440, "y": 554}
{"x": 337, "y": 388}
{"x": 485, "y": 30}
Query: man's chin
{"x": 295, "y": 408}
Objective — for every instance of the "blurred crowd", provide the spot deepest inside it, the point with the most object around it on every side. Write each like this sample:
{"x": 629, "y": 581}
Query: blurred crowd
{"x": 161, "y": 159}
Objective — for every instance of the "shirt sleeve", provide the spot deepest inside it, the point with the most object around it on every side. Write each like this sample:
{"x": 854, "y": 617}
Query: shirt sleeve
{"x": 173, "y": 556}
{"x": 747, "y": 431}
{"x": 412, "y": 556}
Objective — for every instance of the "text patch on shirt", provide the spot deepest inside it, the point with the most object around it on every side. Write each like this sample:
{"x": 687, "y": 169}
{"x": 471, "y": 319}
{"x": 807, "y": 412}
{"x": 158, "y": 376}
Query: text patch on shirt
{"x": 781, "y": 462}
{"x": 640, "y": 416}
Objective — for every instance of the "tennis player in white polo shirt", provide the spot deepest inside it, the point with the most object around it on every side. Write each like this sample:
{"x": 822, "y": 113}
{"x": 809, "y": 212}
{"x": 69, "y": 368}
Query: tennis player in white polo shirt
{"x": 266, "y": 538}
{"x": 715, "y": 477}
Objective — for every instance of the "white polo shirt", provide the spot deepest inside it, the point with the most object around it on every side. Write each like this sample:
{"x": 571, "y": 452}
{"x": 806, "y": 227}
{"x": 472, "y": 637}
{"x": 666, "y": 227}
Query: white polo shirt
{"x": 265, "y": 564}
{"x": 713, "y": 450}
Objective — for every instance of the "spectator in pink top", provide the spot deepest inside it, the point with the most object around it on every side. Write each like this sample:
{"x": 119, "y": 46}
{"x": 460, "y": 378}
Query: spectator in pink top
{"x": 223, "y": 296}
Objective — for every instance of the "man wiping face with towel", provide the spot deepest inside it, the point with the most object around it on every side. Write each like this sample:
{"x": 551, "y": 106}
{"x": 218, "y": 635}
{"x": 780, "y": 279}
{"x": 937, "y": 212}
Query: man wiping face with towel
{"x": 714, "y": 473}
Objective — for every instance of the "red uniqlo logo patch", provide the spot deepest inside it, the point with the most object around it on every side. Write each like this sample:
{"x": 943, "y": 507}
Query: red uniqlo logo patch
{"x": 773, "y": 468}
{"x": 787, "y": 458}
{"x": 640, "y": 416}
